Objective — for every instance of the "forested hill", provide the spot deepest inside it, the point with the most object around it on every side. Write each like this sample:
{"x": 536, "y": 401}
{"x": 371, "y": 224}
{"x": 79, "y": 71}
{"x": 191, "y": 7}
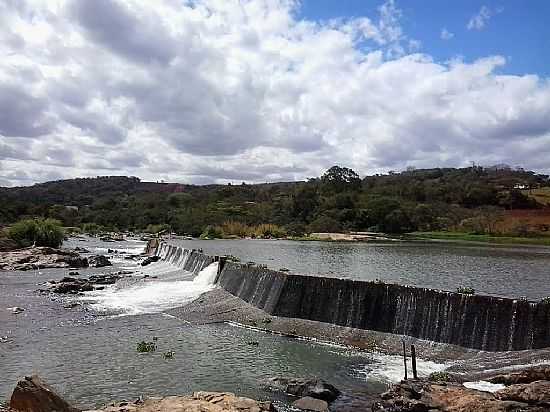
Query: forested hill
{"x": 416, "y": 199}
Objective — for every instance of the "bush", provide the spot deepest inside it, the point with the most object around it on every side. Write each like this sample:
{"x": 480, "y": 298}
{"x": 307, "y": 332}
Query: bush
{"x": 92, "y": 228}
{"x": 439, "y": 377}
{"x": 154, "y": 229}
{"x": 211, "y": 232}
{"x": 465, "y": 290}
{"x": 40, "y": 232}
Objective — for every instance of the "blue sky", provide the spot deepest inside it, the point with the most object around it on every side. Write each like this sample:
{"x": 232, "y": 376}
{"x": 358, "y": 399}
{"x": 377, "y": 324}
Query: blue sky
{"x": 517, "y": 30}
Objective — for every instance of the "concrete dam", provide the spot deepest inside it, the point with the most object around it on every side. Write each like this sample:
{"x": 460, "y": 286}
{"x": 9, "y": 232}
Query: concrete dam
{"x": 473, "y": 321}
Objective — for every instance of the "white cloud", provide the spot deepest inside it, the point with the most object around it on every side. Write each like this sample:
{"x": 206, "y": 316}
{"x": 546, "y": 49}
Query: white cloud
{"x": 217, "y": 90}
{"x": 479, "y": 21}
{"x": 446, "y": 34}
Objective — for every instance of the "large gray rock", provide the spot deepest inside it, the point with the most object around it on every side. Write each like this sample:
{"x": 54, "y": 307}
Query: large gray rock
{"x": 34, "y": 395}
{"x": 311, "y": 404}
{"x": 299, "y": 387}
{"x": 99, "y": 261}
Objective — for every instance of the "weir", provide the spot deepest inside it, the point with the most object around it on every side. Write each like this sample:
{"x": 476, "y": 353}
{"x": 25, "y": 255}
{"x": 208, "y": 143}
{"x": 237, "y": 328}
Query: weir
{"x": 474, "y": 321}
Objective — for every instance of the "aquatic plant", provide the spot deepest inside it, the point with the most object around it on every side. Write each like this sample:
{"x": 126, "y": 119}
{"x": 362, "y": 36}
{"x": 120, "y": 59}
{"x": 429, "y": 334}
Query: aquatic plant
{"x": 545, "y": 300}
{"x": 439, "y": 377}
{"x": 465, "y": 290}
{"x": 146, "y": 347}
{"x": 168, "y": 355}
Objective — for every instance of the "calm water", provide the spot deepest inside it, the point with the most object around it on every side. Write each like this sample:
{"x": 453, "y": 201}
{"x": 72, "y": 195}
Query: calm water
{"x": 494, "y": 270}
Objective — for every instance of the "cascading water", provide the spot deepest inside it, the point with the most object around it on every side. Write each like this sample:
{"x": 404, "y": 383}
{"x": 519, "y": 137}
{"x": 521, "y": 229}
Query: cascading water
{"x": 154, "y": 296}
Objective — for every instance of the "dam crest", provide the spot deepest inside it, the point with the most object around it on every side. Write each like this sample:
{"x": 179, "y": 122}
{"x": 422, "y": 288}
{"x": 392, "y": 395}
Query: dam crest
{"x": 481, "y": 322}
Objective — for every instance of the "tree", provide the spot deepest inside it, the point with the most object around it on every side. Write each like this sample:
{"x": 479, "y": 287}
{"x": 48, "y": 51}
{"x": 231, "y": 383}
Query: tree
{"x": 38, "y": 232}
{"x": 339, "y": 179}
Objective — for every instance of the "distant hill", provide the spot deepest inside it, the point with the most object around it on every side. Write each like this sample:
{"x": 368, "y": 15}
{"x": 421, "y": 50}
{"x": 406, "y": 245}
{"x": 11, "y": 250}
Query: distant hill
{"x": 415, "y": 199}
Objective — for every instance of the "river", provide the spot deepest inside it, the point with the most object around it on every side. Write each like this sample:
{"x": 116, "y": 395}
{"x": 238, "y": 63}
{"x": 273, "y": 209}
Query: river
{"x": 89, "y": 351}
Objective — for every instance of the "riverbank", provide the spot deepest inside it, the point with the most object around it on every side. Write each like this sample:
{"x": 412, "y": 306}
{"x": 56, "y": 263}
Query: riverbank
{"x": 467, "y": 237}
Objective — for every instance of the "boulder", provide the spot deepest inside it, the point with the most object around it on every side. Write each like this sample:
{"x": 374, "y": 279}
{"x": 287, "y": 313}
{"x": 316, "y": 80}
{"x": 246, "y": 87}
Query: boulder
{"x": 34, "y": 395}
{"x": 299, "y": 387}
{"x": 99, "y": 261}
{"x": 311, "y": 404}
{"x": 536, "y": 373}
{"x": 534, "y": 393}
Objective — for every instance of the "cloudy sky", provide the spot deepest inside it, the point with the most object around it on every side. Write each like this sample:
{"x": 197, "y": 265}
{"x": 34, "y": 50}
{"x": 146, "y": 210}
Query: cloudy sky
{"x": 203, "y": 91}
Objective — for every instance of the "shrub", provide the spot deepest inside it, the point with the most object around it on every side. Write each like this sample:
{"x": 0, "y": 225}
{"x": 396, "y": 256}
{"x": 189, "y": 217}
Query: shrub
{"x": 439, "y": 377}
{"x": 154, "y": 229}
{"x": 211, "y": 232}
{"x": 92, "y": 228}
{"x": 545, "y": 300}
{"x": 40, "y": 232}
{"x": 145, "y": 347}
{"x": 268, "y": 230}
{"x": 465, "y": 290}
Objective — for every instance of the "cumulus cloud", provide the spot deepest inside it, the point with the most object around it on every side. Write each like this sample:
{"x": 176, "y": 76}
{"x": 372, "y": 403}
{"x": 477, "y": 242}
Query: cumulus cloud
{"x": 446, "y": 34}
{"x": 228, "y": 90}
{"x": 479, "y": 20}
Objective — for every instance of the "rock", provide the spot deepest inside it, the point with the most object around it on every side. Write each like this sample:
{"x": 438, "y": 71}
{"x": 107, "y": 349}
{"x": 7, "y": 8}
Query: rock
{"x": 199, "y": 401}
{"x": 536, "y": 373}
{"x": 314, "y": 388}
{"x": 534, "y": 393}
{"x": 74, "y": 274}
{"x": 16, "y": 309}
{"x": 40, "y": 257}
{"x": 149, "y": 260}
{"x": 33, "y": 395}
{"x": 99, "y": 261}
{"x": 311, "y": 404}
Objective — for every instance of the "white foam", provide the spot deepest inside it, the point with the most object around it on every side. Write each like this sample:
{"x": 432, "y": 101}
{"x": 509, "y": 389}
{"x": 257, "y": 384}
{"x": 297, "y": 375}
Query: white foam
{"x": 484, "y": 386}
{"x": 390, "y": 369}
{"x": 153, "y": 296}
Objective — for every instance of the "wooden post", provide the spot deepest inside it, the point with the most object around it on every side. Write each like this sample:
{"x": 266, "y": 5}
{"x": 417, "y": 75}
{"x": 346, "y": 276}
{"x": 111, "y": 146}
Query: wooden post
{"x": 405, "y": 358}
{"x": 413, "y": 358}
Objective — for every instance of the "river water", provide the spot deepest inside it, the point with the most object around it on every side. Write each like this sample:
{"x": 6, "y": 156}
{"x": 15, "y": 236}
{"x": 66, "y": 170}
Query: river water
{"x": 493, "y": 270}
{"x": 89, "y": 352}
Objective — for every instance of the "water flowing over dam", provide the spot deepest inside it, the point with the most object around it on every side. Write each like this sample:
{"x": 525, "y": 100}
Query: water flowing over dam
{"x": 474, "y": 321}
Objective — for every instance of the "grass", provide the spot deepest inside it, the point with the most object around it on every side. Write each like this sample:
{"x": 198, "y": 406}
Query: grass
{"x": 541, "y": 195}
{"x": 468, "y": 237}
{"x": 146, "y": 347}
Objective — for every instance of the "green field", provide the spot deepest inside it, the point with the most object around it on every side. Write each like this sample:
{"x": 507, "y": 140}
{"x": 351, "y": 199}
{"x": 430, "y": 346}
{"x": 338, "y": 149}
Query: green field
{"x": 466, "y": 237}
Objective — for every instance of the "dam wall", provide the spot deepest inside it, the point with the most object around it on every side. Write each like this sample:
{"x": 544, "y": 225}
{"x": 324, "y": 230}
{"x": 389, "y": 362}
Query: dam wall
{"x": 189, "y": 260}
{"x": 474, "y": 321}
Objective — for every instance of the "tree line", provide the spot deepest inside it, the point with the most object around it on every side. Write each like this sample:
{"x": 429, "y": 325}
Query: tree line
{"x": 415, "y": 199}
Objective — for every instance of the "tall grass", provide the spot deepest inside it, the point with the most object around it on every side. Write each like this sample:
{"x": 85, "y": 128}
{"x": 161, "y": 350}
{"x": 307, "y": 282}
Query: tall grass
{"x": 242, "y": 230}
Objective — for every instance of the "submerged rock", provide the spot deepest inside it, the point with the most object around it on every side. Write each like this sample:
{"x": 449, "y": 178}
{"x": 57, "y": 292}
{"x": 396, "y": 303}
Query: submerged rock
{"x": 16, "y": 309}
{"x": 34, "y": 395}
{"x": 149, "y": 260}
{"x": 99, "y": 261}
{"x": 73, "y": 285}
{"x": 300, "y": 387}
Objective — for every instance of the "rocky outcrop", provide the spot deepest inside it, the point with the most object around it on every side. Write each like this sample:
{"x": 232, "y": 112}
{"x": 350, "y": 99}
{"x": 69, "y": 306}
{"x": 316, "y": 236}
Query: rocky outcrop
{"x": 424, "y": 396}
{"x": 34, "y": 395}
{"x": 314, "y": 388}
{"x": 73, "y": 285}
{"x": 99, "y": 261}
{"x": 536, "y": 373}
{"x": 40, "y": 258}
{"x": 199, "y": 401}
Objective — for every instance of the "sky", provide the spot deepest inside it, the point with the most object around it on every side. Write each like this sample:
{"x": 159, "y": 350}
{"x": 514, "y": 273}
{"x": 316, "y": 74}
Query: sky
{"x": 218, "y": 91}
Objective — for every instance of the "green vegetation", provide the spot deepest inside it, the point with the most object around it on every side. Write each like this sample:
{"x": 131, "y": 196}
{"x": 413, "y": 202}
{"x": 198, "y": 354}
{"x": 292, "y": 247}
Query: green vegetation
{"x": 465, "y": 290}
{"x": 38, "y": 232}
{"x": 473, "y": 201}
{"x": 168, "y": 355}
{"x": 439, "y": 377}
{"x": 545, "y": 300}
{"x": 146, "y": 347}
